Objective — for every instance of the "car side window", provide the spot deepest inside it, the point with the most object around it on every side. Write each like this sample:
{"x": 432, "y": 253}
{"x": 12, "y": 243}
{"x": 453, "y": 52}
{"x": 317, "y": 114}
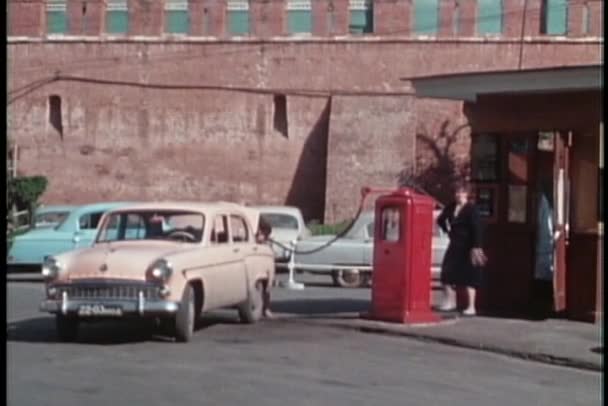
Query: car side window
{"x": 89, "y": 221}
{"x": 238, "y": 225}
{"x": 370, "y": 229}
{"x": 219, "y": 232}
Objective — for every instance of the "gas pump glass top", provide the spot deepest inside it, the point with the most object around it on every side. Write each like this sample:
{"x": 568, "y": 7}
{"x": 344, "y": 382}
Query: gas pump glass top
{"x": 391, "y": 221}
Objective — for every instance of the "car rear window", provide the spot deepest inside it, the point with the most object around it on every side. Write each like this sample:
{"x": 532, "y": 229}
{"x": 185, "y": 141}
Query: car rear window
{"x": 277, "y": 220}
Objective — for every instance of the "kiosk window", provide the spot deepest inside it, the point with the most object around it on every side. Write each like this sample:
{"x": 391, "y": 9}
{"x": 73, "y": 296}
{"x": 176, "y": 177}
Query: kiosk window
{"x": 391, "y": 217}
{"x": 484, "y": 152}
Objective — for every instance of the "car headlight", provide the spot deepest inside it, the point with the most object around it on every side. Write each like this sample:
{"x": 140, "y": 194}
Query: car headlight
{"x": 161, "y": 270}
{"x": 51, "y": 268}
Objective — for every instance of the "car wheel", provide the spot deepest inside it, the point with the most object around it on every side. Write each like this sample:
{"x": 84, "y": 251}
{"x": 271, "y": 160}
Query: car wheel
{"x": 348, "y": 278}
{"x": 185, "y": 317}
{"x": 67, "y": 328}
{"x": 251, "y": 310}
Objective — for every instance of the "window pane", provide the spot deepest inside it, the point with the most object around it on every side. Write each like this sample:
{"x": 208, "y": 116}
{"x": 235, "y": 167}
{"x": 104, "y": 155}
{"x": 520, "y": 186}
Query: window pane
{"x": 299, "y": 21}
{"x": 390, "y": 224}
{"x": 117, "y": 22}
{"x": 177, "y": 21}
{"x": 484, "y": 157}
{"x": 57, "y": 22}
{"x": 556, "y": 17}
{"x": 426, "y": 16}
{"x": 238, "y": 21}
{"x": 490, "y": 16}
{"x": 360, "y": 22}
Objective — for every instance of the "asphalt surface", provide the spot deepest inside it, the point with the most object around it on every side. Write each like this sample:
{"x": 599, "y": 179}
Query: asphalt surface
{"x": 275, "y": 362}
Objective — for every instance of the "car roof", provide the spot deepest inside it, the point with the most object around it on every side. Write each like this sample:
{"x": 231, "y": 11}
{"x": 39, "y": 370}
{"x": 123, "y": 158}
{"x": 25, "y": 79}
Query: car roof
{"x": 202, "y": 207}
{"x": 183, "y": 205}
{"x": 54, "y": 208}
{"x": 278, "y": 209}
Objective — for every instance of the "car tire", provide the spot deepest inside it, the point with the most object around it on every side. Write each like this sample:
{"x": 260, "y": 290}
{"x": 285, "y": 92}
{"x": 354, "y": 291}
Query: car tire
{"x": 252, "y": 309}
{"x": 186, "y": 316}
{"x": 67, "y": 328}
{"x": 348, "y": 278}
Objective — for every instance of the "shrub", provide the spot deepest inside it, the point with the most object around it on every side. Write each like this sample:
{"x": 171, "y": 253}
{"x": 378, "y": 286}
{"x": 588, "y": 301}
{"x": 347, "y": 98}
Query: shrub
{"x": 322, "y": 229}
{"x": 24, "y": 192}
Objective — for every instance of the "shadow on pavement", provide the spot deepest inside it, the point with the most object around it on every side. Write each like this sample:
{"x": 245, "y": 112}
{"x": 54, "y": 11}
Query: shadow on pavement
{"x": 103, "y": 332}
{"x": 320, "y": 306}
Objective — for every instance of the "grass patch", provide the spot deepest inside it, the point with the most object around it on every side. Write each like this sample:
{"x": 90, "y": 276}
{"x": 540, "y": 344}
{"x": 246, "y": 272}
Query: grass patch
{"x": 325, "y": 229}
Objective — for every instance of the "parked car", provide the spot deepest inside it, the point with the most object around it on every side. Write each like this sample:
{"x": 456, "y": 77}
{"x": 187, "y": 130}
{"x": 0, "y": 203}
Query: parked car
{"x": 78, "y": 229}
{"x": 206, "y": 258}
{"x": 50, "y": 216}
{"x": 349, "y": 259}
{"x": 287, "y": 225}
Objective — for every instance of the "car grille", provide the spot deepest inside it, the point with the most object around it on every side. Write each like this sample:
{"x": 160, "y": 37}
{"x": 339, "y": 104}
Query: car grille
{"x": 111, "y": 292}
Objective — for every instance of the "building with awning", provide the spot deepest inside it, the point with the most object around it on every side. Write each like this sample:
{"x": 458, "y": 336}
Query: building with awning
{"x": 536, "y": 155}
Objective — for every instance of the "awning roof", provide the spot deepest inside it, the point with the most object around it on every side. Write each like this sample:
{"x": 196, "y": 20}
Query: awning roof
{"x": 468, "y": 86}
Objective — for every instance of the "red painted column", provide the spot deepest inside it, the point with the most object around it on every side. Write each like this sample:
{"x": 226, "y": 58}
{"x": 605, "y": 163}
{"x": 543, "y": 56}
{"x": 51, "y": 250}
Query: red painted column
{"x": 268, "y": 17}
{"x": 596, "y": 22}
{"x": 26, "y": 18}
{"x": 575, "y": 18}
{"x": 513, "y": 17}
{"x": 533, "y": 18}
{"x": 393, "y": 17}
{"x": 330, "y": 17}
{"x": 446, "y": 18}
{"x": 207, "y": 17}
{"x": 467, "y": 16}
{"x": 86, "y": 17}
{"x": 146, "y": 17}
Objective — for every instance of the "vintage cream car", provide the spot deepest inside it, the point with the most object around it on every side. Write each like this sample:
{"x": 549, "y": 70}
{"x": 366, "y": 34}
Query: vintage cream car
{"x": 170, "y": 261}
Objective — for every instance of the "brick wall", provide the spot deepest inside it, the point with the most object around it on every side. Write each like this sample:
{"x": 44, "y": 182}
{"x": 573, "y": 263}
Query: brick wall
{"x": 195, "y": 118}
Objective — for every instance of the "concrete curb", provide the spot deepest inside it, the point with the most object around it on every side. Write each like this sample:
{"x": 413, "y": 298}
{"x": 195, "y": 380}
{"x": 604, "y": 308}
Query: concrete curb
{"x": 543, "y": 358}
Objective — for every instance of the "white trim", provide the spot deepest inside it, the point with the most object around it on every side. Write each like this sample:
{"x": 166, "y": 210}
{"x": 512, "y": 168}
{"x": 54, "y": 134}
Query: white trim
{"x": 176, "y": 5}
{"x": 116, "y": 5}
{"x": 56, "y": 5}
{"x": 237, "y": 5}
{"x": 299, "y": 5}
{"x": 358, "y": 5}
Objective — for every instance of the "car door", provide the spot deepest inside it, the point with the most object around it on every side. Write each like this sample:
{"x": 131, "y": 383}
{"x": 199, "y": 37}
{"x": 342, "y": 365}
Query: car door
{"x": 223, "y": 274}
{"x": 243, "y": 246}
{"x": 86, "y": 229}
{"x": 368, "y": 243}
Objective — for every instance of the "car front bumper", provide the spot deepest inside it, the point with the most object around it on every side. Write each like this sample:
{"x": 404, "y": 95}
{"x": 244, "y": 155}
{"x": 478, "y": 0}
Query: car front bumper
{"x": 91, "y": 308}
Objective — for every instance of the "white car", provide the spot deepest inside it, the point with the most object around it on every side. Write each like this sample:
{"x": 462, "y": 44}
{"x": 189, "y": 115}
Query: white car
{"x": 349, "y": 259}
{"x": 287, "y": 225}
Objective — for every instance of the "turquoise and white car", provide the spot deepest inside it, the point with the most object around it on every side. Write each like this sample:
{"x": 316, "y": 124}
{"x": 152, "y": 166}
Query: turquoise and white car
{"x": 50, "y": 216}
{"x": 78, "y": 229}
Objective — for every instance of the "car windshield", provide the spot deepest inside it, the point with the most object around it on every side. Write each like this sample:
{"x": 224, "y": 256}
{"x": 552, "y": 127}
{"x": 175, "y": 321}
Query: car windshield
{"x": 50, "y": 218}
{"x": 171, "y": 225}
{"x": 277, "y": 220}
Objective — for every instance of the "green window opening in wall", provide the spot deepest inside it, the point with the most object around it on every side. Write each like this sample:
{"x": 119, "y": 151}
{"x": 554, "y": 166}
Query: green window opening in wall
{"x": 554, "y": 17}
{"x": 361, "y": 16}
{"x": 238, "y": 17}
{"x": 117, "y": 17}
{"x": 426, "y": 16}
{"x": 56, "y": 17}
{"x": 299, "y": 18}
{"x": 177, "y": 20}
{"x": 489, "y": 16}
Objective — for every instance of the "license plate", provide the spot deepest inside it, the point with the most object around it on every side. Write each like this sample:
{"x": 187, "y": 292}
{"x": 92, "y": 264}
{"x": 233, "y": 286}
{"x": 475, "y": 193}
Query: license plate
{"x": 99, "y": 310}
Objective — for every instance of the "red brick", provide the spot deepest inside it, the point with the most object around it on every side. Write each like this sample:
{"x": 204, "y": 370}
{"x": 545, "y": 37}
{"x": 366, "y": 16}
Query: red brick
{"x": 393, "y": 17}
{"x": 86, "y": 17}
{"x": 597, "y": 18}
{"x": 26, "y": 18}
{"x": 268, "y": 17}
{"x": 575, "y": 18}
{"x": 326, "y": 11}
{"x": 146, "y": 17}
{"x": 513, "y": 17}
{"x": 467, "y": 14}
{"x": 207, "y": 17}
{"x": 446, "y": 18}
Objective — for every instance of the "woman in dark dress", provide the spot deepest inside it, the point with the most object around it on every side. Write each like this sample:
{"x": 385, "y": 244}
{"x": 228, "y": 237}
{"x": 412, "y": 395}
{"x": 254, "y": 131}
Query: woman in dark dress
{"x": 461, "y": 221}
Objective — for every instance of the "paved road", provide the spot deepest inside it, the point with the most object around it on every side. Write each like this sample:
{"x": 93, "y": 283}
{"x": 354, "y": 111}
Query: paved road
{"x": 275, "y": 362}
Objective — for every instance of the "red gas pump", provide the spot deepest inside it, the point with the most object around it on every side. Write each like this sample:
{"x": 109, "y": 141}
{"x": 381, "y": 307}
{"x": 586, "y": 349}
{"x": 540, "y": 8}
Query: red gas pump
{"x": 401, "y": 280}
